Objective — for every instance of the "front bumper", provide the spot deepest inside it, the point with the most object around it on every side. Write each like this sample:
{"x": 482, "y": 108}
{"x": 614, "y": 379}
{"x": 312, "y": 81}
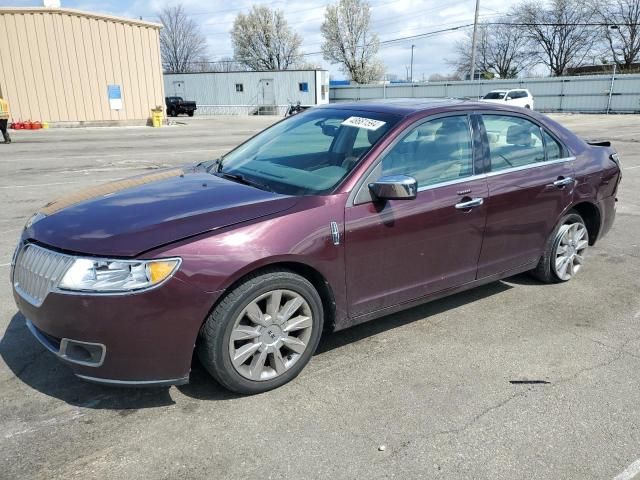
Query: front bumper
{"x": 139, "y": 339}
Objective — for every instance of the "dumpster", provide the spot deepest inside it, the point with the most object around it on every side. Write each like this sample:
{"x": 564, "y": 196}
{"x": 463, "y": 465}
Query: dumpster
{"x": 156, "y": 117}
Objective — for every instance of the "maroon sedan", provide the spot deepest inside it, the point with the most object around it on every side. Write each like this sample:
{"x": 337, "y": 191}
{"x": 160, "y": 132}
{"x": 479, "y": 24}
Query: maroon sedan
{"x": 330, "y": 218}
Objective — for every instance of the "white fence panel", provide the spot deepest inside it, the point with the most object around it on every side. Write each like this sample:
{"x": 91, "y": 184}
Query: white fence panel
{"x": 564, "y": 94}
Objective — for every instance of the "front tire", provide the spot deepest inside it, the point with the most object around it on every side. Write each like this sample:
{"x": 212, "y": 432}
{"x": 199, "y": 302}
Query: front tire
{"x": 564, "y": 251}
{"x": 190, "y": 114}
{"x": 263, "y": 332}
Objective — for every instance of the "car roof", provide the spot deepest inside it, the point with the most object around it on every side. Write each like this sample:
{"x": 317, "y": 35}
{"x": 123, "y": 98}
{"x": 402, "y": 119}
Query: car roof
{"x": 405, "y": 106}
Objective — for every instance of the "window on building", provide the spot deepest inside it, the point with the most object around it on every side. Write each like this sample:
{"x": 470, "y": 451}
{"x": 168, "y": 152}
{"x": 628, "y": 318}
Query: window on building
{"x": 303, "y": 87}
{"x": 513, "y": 141}
{"x": 239, "y": 87}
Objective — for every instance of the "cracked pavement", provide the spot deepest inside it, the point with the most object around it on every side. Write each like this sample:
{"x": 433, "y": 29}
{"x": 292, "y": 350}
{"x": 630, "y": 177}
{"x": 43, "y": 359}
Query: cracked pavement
{"x": 431, "y": 384}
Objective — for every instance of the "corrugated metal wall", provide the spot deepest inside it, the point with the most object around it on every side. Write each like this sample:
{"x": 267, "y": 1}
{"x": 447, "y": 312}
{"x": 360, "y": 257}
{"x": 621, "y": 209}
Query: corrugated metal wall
{"x": 56, "y": 64}
{"x": 215, "y": 93}
{"x": 563, "y": 94}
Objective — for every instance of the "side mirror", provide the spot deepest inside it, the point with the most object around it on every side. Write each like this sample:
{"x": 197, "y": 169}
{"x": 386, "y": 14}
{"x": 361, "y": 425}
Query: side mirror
{"x": 394, "y": 187}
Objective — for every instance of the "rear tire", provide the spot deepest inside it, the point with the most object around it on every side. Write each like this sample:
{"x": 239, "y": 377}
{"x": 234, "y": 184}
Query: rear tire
{"x": 528, "y": 107}
{"x": 262, "y": 333}
{"x": 564, "y": 250}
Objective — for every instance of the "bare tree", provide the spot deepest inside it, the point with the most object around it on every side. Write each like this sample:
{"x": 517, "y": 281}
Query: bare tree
{"x": 182, "y": 45}
{"x": 501, "y": 50}
{"x": 462, "y": 62}
{"x": 227, "y": 64}
{"x": 262, "y": 40}
{"x": 437, "y": 77}
{"x": 622, "y": 33}
{"x": 561, "y": 32}
{"x": 348, "y": 40}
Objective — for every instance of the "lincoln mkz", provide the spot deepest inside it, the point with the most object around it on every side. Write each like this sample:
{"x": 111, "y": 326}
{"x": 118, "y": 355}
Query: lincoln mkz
{"x": 338, "y": 215}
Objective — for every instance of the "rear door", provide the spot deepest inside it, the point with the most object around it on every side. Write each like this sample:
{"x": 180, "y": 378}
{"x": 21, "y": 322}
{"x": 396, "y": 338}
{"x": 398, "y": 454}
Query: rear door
{"x": 530, "y": 180}
{"x": 400, "y": 250}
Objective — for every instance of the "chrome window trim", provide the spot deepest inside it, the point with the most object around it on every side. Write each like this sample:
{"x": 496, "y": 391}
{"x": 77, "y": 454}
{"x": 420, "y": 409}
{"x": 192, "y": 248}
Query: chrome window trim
{"x": 480, "y": 176}
{"x": 452, "y": 182}
{"x": 528, "y": 166}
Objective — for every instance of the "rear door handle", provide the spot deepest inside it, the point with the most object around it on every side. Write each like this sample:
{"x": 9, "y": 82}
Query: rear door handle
{"x": 563, "y": 182}
{"x": 467, "y": 204}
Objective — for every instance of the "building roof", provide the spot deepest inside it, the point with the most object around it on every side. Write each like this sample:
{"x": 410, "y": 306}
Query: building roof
{"x": 77, "y": 13}
{"x": 250, "y": 71}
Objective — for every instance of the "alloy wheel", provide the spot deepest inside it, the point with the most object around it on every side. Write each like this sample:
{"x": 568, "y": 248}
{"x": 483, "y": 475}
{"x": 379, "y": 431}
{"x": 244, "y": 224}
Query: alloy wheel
{"x": 571, "y": 242}
{"x": 270, "y": 335}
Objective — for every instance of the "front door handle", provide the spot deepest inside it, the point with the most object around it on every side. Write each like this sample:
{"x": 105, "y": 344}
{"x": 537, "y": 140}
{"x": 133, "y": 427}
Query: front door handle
{"x": 471, "y": 203}
{"x": 562, "y": 182}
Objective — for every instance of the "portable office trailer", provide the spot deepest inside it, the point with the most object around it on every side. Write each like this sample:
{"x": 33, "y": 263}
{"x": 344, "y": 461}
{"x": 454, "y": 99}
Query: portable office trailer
{"x": 68, "y": 67}
{"x": 249, "y": 93}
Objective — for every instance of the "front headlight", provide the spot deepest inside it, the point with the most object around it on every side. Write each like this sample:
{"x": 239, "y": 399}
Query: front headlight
{"x": 114, "y": 276}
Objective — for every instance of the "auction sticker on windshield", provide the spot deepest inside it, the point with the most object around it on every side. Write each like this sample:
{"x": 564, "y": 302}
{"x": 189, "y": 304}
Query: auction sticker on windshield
{"x": 361, "y": 122}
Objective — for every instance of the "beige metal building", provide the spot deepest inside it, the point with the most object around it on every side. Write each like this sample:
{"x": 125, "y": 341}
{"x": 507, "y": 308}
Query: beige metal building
{"x": 68, "y": 67}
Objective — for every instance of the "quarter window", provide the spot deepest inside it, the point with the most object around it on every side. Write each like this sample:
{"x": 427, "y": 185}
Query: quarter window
{"x": 513, "y": 142}
{"x": 433, "y": 152}
{"x": 554, "y": 149}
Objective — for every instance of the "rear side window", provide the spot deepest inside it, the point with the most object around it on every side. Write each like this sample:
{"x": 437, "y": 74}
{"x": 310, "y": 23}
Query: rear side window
{"x": 553, "y": 147}
{"x": 513, "y": 142}
{"x": 433, "y": 152}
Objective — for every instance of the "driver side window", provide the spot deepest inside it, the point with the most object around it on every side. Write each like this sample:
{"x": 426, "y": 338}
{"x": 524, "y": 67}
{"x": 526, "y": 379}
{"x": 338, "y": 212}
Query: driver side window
{"x": 433, "y": 152}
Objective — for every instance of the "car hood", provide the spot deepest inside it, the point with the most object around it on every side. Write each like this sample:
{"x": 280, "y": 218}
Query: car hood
{"x": 128, "y": 217}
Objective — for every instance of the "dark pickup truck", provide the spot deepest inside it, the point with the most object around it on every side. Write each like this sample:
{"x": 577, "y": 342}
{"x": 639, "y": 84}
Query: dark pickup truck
{"x": 176, "y": 106}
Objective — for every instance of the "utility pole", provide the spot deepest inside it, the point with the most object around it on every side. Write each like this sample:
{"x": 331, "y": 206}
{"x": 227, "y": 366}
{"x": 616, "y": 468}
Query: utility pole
{"x": 412, "y": 47}
{"x": 473, "y": 42}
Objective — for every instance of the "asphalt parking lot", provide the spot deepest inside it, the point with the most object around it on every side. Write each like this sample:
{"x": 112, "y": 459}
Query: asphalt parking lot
{"x": 434, "y": 385}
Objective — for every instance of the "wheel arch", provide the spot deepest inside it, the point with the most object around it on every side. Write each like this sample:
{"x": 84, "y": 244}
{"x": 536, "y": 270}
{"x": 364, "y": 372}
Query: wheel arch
{"x": 592, "y": 217}
{"x": 313, "y": 275}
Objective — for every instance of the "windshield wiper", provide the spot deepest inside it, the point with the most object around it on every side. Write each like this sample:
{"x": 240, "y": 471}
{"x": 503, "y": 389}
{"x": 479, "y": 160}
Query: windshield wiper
{"x": 236, "y": 177}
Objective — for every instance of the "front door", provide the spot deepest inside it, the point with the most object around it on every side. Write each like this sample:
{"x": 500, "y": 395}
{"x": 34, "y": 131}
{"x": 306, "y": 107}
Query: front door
{"x": 530, "y": 184}
{"x": 179, "y": 89}
{"x": 402, "y": 250}
{"x": 267, "y": 91}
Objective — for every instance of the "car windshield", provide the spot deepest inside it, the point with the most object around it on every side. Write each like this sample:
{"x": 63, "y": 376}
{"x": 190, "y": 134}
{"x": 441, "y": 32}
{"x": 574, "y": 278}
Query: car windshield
{"x": 307, "y": 154}
{"x": 494, "y": 95}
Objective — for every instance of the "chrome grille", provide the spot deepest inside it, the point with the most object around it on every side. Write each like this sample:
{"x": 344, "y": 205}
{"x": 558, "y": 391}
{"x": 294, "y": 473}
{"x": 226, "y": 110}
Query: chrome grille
{"x": 37, "y": 272}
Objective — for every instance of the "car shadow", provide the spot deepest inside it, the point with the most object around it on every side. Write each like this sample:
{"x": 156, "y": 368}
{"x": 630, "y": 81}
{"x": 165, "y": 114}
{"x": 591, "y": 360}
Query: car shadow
{"x": 36, "y": 367}
{"x": 33, "y": 365}
{"x": 333, "y": 340}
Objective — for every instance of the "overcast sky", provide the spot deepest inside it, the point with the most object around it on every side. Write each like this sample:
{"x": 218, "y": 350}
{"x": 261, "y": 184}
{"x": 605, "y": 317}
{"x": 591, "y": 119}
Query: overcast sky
{"x": 390, "y": 19}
